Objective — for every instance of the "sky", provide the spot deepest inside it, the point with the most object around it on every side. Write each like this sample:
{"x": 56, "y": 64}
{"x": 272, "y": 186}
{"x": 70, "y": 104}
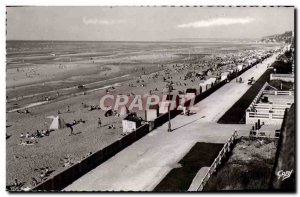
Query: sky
{"x": 146, "y": 23}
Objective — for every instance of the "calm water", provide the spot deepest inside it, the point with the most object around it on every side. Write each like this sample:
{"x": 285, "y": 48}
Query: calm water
{"x": 37, "y": 52}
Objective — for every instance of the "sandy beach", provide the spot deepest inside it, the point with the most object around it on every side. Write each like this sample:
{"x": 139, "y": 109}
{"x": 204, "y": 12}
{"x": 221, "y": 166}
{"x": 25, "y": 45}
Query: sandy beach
{"x": 137, "y": 72}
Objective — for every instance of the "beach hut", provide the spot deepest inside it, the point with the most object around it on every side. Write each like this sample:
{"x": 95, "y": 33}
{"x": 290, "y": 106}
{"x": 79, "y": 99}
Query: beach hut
{"x": 152, "y": 113}
{"x": 207, "y": 84}
{"x": 230, "y": 71}
{"x": 252, "y": 61}
{"x": 202, "y": 87}
{"x": 212, "y": 80}
{"x": 171, "y": 100}
{"x": 240, "y": 67}
{"x": 190, "y": 93}
{"x": 131, "y": 123}
{"x": 224, "y": 75}
{"x": 57, "y": 123}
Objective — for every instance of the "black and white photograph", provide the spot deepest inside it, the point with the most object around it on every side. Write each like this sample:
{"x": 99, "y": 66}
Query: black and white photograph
{"x": 150, "y": 98}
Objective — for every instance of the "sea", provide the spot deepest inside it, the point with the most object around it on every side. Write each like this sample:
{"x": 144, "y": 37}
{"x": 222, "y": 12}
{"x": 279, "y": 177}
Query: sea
{"x": 20, "y": 53}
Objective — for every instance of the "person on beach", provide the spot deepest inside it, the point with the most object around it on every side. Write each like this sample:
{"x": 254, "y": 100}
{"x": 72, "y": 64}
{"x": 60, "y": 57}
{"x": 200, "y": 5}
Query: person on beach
{"x": 34, "y": 182}
{"x": 16, "y": 184}
{"x": 112, "y": 126}
{"x": 70, "y": 126}
{"x": 38, "y": 133}
{"x": 42, "y": 176}
{"x": 99, "y": 123}
{"x": 68, "y": 110}
{"x": 27, "y": 135}
{"x": 47, "y": 172}
{"x": 45, "y": 132}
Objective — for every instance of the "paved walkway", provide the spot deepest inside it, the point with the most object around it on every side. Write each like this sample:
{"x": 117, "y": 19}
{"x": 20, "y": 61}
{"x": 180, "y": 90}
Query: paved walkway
{"x": 141, "y": 166}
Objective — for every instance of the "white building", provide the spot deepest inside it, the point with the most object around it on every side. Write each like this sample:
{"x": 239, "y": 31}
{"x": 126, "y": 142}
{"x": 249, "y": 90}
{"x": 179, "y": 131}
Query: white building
{"x": 131, "y": 123}
{"x": 207, "y": 83}
{"x": 224, "y": 75}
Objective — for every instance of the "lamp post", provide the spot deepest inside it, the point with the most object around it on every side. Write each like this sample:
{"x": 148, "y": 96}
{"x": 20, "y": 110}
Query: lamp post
{"x": 169, "y": 124}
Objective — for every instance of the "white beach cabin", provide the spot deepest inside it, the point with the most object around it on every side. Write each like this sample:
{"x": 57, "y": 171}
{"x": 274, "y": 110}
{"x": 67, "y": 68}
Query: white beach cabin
{"x": 224, "y": 75}
{"x": 131, "y": 123}
{"x": 240, "y": 67}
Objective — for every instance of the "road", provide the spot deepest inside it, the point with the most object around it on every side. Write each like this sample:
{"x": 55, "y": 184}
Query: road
{"x": 141, "y": 166}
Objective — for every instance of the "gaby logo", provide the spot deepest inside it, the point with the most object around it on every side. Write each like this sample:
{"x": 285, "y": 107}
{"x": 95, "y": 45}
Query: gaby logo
{"x": 284, "y": 174}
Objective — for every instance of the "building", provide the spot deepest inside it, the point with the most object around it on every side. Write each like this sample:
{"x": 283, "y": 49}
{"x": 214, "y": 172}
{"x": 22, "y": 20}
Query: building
{"x": 207, "y": 84}
{"x": 269, "y": 106}
{"x": 131, "y": 123}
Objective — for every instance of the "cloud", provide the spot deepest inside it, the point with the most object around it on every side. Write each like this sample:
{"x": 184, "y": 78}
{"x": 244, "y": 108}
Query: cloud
{"x": 216, "y": 22}
{"x": 97, "y": 21}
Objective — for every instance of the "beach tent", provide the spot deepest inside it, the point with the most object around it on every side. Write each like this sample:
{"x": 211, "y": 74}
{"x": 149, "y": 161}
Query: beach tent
{"x": 108, "y": 113}
{"x": 57, "y": 123}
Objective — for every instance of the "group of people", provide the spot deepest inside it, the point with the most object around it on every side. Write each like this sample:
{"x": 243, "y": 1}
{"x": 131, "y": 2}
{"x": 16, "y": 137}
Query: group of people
{"x": 78, "y": 121}
{"x": 25, "y": 111}
{"x": 37, "y": 134}
{"x": 94, "y": 107}
{"x": 90, "y": 107}
{"x": 110, "y": 126}
{"x": 43, "y": 175}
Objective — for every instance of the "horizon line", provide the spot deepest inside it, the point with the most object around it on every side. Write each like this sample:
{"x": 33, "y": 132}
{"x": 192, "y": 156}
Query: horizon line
{"x": 173, "y": 40}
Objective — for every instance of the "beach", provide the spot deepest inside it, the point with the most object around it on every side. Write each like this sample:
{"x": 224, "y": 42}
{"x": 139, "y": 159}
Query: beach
{"x": 77, "y": 76}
